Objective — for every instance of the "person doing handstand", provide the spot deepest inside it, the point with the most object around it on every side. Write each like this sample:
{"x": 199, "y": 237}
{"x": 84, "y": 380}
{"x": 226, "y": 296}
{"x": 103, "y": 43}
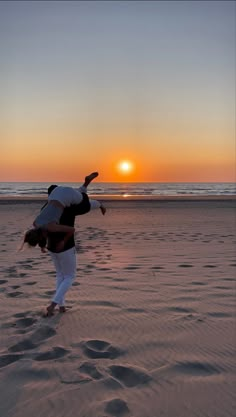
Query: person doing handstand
{"x": 48, "y": 220}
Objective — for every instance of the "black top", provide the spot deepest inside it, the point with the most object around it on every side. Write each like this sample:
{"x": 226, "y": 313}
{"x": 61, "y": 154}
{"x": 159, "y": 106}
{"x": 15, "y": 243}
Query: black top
{"x": 68, "y": 219}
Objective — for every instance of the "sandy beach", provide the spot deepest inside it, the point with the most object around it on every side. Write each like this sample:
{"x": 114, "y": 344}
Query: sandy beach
{"x": 150, "y": 326}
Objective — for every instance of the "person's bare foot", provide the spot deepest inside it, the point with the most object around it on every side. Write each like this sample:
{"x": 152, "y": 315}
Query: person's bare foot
{"x": 90, "y": 178}
{"x": 103, "y": 209}
{"x": 62, "y": 309}
{"x": 50, "y": 310}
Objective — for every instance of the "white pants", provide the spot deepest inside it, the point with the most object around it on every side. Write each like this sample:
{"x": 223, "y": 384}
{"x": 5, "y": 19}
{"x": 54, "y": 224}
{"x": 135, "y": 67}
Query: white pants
{"x": 65, "y": 264}
{"x": 68, "y": 195}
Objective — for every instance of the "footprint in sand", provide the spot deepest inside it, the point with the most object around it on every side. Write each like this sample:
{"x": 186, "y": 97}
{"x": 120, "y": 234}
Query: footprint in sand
{"x": 156, "y": 268}
{"x": 89, "y": 266}
{"x": 228, "y": 279}
{"x": 42, "y": 334}
{"x": 27, "y": 266}
{"x": 21, "y": 323}
{"x": 135, "y": 310}
{"x": 56, "y": 352}
{"x": 96, "y": 349}
{"x": 90, "y": 369}
{"x": 195, "y": 369}
{"x": 25, "y": 344}
{"x": 14, "y": 294}
{"x": 219, "y": 314}
{"x": 8, "y": 359}
{"x": 104, "y": 269}
{"x": 11, "y": 270}
{"x": 132, "y": 267}
{"x": 129, "y": 376}
{"x": 34, "y": 341}
{"x": 7, "y": 325}
{"x": 198, "y": 283}
{"x": 210, "y": 266}
{"x": 185, "y": 265}
{"x": 116, "y": 407}
{"x": 118, "y": 279}
{"x": 25, "y": 322}
{"x": 181, "y": 309}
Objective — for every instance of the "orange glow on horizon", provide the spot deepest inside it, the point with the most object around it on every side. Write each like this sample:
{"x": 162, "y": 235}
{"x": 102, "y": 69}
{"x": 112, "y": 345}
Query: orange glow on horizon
{"x": 54, "y": 158}
{"x": 36, "y": 171}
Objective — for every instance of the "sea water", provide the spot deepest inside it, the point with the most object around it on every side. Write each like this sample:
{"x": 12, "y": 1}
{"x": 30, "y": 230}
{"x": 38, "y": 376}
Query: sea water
{"x": 37, "y": 189}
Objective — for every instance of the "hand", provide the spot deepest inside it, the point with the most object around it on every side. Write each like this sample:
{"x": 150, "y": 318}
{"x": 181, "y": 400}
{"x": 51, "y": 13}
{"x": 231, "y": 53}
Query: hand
{"x": 103, "y": 209}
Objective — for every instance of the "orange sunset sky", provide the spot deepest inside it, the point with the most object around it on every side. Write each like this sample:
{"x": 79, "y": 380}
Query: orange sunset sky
{"x": 86, "y": 85}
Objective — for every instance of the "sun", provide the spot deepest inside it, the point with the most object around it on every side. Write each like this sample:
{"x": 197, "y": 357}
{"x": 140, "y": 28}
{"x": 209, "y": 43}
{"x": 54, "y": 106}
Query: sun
{"x": 125, "y": 167}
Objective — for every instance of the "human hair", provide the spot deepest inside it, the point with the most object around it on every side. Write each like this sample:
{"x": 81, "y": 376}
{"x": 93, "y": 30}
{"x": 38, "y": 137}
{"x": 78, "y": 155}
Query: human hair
{"x": 35, "y": 237}
{"x": 51, "y": 188}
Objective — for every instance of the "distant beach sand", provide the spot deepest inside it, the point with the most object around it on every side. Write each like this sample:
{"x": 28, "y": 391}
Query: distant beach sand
{"x": 150, "y": 330}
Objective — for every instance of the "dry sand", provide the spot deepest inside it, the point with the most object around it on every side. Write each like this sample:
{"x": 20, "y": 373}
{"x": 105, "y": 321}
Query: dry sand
{"x": 151, "y": 328}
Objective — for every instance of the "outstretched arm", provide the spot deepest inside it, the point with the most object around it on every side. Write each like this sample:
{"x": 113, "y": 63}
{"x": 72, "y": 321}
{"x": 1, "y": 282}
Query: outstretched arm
{"x": 94, "y": 204}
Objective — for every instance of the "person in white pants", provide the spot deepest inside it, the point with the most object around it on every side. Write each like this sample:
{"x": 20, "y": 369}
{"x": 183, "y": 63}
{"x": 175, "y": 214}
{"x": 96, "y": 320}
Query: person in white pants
{"x": 65, "y": 265}
{"x": 65, "y": 261}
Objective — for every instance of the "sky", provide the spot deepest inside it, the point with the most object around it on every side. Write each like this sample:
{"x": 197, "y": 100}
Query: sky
{"x": 86, "y": 85}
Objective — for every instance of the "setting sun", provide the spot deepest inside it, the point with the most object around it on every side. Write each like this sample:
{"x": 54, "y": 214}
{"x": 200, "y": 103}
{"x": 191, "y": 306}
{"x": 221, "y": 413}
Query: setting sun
{"x": 125, "y": 167}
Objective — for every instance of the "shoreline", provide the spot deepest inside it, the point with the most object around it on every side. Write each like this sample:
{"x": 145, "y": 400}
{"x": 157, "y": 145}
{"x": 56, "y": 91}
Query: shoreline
{"x": 126, "y": 198}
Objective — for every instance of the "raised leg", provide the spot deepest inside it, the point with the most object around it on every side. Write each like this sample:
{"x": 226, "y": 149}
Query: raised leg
{"x": 90, "y": 178}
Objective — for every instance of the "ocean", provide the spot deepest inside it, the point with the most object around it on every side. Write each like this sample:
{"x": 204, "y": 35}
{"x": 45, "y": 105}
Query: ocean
{"x": 38, "y": 189}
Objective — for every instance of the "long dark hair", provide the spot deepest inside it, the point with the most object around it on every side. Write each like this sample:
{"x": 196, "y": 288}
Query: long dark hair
{"x": 35, "y": 237}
